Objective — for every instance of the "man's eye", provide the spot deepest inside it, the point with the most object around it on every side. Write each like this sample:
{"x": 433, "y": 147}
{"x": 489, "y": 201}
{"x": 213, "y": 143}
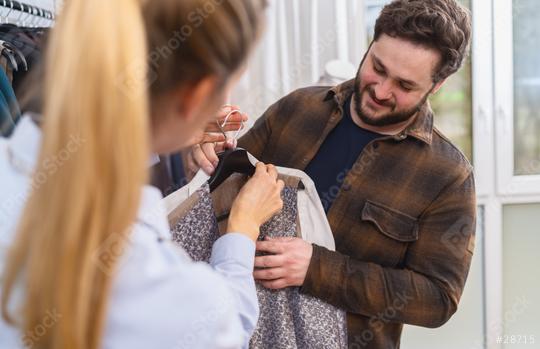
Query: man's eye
{"x": 378, "y": 70}
{"x": 405, "y": 88}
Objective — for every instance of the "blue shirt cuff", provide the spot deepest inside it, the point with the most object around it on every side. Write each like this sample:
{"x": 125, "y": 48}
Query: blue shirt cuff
{"x": 234, "y": 247}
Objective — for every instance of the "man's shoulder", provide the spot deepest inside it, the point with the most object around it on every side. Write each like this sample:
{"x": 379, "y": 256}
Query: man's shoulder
{"x": 309, "y": 93}
{"x": 448, "y": 155}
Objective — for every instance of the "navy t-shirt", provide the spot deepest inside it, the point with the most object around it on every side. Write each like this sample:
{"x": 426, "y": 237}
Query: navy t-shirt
{"x": 337, "y": 156}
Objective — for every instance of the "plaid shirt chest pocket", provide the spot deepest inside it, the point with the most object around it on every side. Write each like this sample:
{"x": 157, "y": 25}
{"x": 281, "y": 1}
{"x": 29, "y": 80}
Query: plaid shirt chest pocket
{"x": 385, "y": 234}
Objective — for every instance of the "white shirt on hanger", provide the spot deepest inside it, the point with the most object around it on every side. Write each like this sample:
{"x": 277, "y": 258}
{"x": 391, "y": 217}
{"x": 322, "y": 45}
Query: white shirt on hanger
{"x": 314, "y": 224}
{"x": 160, "y": 298}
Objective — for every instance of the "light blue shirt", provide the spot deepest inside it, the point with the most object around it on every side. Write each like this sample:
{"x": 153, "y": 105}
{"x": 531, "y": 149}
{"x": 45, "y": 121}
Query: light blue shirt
{"x": 160, "y": 298}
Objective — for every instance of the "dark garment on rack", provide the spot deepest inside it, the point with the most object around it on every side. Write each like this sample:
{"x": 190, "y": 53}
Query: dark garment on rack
{"x": 288, "y": 318}
{"x": 9, "y": 107}
{"x": 30, "y": 42}
{"x": 168, "y": 174}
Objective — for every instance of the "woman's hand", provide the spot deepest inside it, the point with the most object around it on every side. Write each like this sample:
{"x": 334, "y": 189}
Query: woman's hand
{"x": 258, "y": 200}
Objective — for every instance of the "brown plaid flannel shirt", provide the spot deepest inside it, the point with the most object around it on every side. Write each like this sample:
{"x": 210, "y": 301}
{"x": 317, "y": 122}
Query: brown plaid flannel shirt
{"x": 403, "y": 218}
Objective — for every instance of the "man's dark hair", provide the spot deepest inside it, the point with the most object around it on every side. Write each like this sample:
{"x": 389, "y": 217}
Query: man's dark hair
{"x": 444, "y": 25}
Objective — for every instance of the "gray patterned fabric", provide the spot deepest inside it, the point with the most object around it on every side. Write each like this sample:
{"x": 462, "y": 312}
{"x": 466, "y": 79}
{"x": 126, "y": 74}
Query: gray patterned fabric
{"x": 288, "y": 319}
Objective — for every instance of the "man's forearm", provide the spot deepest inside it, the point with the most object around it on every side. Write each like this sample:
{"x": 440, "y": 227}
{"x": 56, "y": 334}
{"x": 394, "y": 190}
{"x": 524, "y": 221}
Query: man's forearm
{"x": 372, "y": 290}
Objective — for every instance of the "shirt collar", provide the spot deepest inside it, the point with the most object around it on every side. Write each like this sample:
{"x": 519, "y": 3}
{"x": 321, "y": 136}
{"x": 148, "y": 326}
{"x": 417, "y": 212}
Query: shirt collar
{"x": 421, "y": 128}
{"x": 23, "y": 145}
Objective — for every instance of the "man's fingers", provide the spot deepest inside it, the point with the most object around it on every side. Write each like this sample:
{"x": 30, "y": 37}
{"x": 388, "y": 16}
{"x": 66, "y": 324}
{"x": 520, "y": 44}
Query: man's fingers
{"x": 191, "y": 165}
{"x": 269, "y": 274}
{"x": 280, "y": 238}
{"x": 238, "y": 117}
{"x": 270, "y": 247}
{"x": 231, "y": 144}
{"x": 227, "y": 108}
{"x": 269, "y": 261}
{"x": 274, "y": 284}
{"x": 220, "y": 146}
{"x": 230, "y": 126}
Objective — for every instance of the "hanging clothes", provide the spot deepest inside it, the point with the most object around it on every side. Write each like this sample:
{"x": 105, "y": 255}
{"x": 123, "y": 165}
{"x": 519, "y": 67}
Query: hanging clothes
{"x": 288, "y": 318}
{"x": 10, "y": 112}
{"x": 29, "y": 42}
{"x": 312, "y": 218}
{"x": 20, "y": 53}
{"x": 167, "y": 173}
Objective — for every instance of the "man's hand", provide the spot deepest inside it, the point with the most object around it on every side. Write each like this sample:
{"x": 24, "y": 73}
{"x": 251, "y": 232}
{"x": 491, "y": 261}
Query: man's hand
{"x": 206, "y": 146}
{"x": 288, "y": 264}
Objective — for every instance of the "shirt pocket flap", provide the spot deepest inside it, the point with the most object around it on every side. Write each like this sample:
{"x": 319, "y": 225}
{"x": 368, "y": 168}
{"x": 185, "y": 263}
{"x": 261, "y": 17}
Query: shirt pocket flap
{"x": 390, "y": 222}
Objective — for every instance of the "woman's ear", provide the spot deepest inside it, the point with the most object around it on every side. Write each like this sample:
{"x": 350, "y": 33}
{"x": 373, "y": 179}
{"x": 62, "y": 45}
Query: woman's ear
{"x": 191, "y": 100}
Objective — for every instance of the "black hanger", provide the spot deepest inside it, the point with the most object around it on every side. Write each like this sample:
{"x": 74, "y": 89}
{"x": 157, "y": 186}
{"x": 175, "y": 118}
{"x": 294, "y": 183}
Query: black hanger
{"x": 231, "y": 161}
{"x": 6, "y": 52}
{"x": 11, "y": 53}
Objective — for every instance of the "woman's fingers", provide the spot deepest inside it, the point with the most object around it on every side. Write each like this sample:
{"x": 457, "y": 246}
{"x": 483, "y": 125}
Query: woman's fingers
{"x": 272, "y": 171}
{"x": 212, "y": 138}
{"x": 230, "y": 126}
{"x": 201, "y": 160}
{"x": 210, "y": 153}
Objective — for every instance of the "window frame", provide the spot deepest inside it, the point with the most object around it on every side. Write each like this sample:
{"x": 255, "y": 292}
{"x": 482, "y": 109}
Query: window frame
{"x": 508, "y": 184}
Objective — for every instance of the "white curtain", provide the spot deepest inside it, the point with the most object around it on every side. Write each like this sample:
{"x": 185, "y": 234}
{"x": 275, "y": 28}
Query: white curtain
{"x": 301, "y": 37}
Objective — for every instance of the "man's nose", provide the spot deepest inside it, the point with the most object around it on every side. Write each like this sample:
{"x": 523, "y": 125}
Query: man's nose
{"x": 383, "y": 90}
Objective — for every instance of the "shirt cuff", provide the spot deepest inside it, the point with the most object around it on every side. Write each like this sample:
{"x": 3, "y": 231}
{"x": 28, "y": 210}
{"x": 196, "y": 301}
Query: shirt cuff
{"x": 234, "y": 247}
{"x": 323, "y": 273}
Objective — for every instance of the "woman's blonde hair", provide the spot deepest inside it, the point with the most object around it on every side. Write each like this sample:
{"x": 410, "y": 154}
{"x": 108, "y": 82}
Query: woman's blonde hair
{"x": 105, "y": 60}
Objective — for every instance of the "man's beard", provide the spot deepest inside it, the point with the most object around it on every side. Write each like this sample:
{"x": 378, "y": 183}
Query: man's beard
{"x": 393, "y": 117}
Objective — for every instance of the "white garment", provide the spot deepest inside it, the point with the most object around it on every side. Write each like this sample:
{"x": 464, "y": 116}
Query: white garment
{"x": 160, "y": 298}
{"x": 314, "y": 226}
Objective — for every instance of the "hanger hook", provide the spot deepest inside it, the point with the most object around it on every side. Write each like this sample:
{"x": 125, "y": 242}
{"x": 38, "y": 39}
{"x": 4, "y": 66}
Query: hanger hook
{"x": 9, "y": 11}
{"x": 39, "y": 16}
{"x": 222, "y": 126}
{"x": 27, "y": 16}
{"x": 2, "y": 17}
{"x": 35, "y": 18}
{"x": 31, "y": 16}
{"x": 22, "y": 13}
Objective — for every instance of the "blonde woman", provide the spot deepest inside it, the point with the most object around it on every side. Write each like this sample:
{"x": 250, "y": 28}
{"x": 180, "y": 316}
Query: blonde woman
{"x": 90, "y": 264}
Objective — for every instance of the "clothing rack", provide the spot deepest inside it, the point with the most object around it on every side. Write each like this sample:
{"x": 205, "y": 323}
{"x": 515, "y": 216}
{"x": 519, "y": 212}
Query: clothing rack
{"x": 26, "y": 8}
